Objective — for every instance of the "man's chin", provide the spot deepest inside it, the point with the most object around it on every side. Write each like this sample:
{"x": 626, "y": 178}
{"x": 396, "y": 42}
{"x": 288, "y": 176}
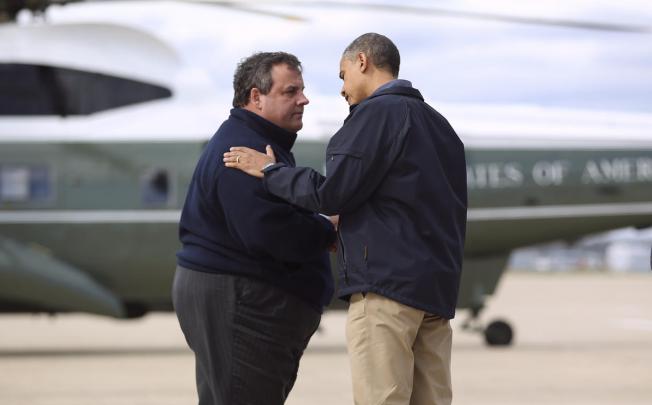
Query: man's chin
{"x": 296, "y": 127}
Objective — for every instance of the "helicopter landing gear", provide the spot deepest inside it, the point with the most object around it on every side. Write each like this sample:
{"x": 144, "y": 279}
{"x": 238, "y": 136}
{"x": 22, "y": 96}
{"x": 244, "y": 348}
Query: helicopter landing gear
{"x": 496, "y": 333}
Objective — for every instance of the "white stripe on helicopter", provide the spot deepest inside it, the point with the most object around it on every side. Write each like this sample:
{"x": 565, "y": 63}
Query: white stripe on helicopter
{"x": 172, "y": 216}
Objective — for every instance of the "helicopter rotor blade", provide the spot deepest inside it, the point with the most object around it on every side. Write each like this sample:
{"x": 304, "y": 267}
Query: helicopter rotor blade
{"x": 248, "y": 7}
{"x": 436, "y": 11}
{"x": 10, "y": 8}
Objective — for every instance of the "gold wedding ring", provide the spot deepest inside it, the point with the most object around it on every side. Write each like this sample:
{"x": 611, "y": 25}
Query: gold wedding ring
{"x": 237, "y": 159}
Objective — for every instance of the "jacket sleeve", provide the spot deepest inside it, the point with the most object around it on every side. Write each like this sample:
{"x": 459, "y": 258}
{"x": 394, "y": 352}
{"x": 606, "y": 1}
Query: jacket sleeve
{"x": 357, "y": 159}
{"x": 268, "y": 225}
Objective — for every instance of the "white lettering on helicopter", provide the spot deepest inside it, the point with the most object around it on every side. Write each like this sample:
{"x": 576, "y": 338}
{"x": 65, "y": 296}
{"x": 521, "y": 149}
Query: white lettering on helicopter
{"x": 644, "y": 169}
{"x": 620, "y": 170}
{"x": 494, "y": 175}
{"x": 502, "y": 175}
{"x": 546, "y": 173}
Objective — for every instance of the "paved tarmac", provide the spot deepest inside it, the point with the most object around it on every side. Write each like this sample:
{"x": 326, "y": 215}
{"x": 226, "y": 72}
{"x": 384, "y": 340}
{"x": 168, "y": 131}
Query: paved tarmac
{"x": 580, "y": 339}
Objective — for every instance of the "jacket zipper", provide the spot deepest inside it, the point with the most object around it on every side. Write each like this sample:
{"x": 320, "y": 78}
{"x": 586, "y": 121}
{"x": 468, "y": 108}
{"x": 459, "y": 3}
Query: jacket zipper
{"x": 346, "y": 273}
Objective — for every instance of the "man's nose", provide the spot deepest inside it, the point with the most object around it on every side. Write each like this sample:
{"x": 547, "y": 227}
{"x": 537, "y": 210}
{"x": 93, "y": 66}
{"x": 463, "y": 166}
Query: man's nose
{"x": 303, "y": 100}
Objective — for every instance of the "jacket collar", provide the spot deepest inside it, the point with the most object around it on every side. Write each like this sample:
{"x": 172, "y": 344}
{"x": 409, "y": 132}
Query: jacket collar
{"x": 268, "y": 130}
{"x": 397, "y": 87}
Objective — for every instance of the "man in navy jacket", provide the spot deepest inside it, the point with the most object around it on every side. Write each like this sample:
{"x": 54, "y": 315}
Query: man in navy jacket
{"x": 253, "y": 274}
{"x": 396, "y": 175}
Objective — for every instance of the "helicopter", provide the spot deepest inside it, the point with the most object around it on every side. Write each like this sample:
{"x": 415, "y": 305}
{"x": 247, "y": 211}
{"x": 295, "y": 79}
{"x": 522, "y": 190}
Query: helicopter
{"x": 102, "y": 122}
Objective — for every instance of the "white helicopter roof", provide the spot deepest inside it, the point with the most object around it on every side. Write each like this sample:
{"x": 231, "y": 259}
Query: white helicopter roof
{"x": 479, "y": 126}
{"x": 517, "y": 126}
{"x": 99, "y": 47}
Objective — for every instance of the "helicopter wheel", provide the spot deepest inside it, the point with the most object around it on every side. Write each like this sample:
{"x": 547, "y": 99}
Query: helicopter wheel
{"x": 498, "y": 333}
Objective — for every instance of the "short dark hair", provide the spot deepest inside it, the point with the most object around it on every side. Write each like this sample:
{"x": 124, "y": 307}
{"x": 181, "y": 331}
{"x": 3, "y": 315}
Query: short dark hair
{"x": 379, "y": 49}
{"x": 256, "y": 71}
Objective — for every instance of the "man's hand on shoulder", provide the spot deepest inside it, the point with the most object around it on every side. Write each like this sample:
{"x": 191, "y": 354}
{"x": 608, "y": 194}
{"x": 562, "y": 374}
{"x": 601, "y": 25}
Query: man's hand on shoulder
{"x": 249, "y": 160}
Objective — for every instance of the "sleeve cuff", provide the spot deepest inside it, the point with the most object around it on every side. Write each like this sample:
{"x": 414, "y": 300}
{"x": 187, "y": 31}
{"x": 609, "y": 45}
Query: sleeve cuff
{"x": 271, "y": 166}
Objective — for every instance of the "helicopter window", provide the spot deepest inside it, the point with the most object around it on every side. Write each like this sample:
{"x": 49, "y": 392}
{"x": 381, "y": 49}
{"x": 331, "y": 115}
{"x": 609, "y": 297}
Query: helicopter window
{"x": 48, "y": 90}
{"x": 25, "y": 183}
{"x": 40, "y": 186}
{"x": 156, "y": 187}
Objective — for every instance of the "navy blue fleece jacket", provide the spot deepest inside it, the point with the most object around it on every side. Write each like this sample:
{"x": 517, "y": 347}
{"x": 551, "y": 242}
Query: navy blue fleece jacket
{"x": 230, "y": 224}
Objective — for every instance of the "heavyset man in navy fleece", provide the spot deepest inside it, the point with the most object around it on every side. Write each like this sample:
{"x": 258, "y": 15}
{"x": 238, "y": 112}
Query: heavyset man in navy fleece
{"x": 396, "y": 175}
{"x": 253, "y": 274}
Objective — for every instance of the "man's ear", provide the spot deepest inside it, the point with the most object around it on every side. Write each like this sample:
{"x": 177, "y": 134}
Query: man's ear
{"x": 362, "y": 62}
{"x": 254, "y": 97}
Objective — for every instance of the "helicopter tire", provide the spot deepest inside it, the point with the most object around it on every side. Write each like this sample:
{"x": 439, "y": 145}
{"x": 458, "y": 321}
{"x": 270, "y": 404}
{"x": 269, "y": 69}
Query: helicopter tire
{"x": 498, "y": 333}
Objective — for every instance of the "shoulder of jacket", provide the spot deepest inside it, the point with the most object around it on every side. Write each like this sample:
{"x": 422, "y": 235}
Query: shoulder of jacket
{"x": 236, "y": 134}
{"x": 387, "y": 99}
{"x": 384, "y": 104}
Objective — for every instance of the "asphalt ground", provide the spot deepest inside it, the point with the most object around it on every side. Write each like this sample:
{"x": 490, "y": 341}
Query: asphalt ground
{"x": 580, "y": 339}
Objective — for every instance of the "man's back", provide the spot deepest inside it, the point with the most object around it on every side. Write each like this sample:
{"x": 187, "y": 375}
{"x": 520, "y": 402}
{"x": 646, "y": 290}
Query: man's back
{"x": 405, "y": 238}
{"x": 253, "y": 274}
{"x": 230, "y": 224}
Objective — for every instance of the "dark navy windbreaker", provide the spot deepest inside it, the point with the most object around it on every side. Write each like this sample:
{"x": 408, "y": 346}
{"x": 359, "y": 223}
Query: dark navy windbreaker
{"x": 396, "y": 174}
{"x": 230, "y": 224}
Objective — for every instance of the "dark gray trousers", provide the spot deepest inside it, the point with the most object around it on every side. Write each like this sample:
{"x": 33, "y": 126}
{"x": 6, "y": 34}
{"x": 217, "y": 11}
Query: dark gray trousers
{"x": 247, "y": 336}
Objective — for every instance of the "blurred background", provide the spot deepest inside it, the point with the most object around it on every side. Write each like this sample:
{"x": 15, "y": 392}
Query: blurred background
{"x": 104, "y": 109}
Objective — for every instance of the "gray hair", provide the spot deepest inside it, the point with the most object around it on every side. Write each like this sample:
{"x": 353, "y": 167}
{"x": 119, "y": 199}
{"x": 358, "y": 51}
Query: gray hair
{"x": 380, "y": 50}
{"x": 256, "y": 72}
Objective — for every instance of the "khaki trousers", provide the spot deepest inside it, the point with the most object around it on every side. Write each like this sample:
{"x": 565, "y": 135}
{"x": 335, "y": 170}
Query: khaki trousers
{"x": 399, "y": 355}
